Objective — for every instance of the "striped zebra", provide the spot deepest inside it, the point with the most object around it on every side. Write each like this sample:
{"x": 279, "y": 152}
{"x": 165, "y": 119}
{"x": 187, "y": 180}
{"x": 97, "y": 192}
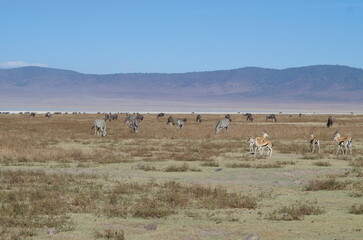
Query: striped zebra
{"x": 224, "y": 123}
{"x": 99, "y": 126}
{"x": 180, "y": 123}
{"x": 344, "y": 143}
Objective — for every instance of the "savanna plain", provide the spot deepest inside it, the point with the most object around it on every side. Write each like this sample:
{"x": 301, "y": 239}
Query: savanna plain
{"x": 60, "y": 181}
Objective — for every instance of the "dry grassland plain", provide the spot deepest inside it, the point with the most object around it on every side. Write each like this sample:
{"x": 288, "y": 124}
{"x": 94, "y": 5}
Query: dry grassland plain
{"x": 59, "y": 181}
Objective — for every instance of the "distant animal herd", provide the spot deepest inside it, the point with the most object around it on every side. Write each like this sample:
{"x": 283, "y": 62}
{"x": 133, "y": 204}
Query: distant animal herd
{"x": 257, "y": 145}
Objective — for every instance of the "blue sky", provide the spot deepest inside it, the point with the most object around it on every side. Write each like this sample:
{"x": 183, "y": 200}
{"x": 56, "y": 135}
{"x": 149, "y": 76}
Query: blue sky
{"x": 168, "y": 36}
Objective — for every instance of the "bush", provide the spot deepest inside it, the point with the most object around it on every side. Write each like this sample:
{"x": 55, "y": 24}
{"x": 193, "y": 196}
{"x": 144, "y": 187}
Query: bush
{"x": 295, "y": 212}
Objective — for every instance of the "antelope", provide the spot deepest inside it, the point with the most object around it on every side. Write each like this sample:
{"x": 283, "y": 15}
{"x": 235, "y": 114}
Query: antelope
{"x": 261, "y": 144}
{"x": 252, "y": 144}
{"x": 252, "y": 141}
{"x": 343, "y": 143}
{"x": 314, "y": 142}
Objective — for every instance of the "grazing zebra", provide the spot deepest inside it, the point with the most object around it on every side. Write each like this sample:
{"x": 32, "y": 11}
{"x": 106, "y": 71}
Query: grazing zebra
{"x": 48, "y": 115}
{"x": 271, "y": 116}
{"x": 224, "y": 123}
{"x": 160, "y": 115}
{"x": 330, "y": 121}
{"x": 100, "y": 127}
{"x": 343, "y": 143}
{"x": 129, "y": 118}
{"x": 135, "y": 124}
{"x": 199, "y": 118}
{"x": 228, "y": 117}
{"x": 170, "y": 121}
{"x": 180, "y": 122}
{"x": 314, "y": 142}
{"x": 113, "y": 117}
{"x": 249, "y": 117}
{"x": 32, "y": 115}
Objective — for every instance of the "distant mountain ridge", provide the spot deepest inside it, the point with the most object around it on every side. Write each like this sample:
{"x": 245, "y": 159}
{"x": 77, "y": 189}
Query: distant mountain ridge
{"x": 319, "y": 83}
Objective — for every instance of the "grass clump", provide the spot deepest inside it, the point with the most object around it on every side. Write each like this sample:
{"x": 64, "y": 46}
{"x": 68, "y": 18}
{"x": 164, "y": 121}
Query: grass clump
{"x": 295, "y": 212}
{"x": 326, "y": 184}
{"x": 152, "y": 200}
{"x": 145, "y": 167}
{"x": 110, "y": 234}
{"x": 322, "y": 164}
{"x": 277, "y": 164}
{"x": 31, "y": 200}
{"x": 209, "y": 164}
{"x": 181, "y": 168}
{"x": 356, "y": 209}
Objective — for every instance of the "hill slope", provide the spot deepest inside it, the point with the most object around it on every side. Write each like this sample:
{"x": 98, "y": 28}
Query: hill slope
{"x": 321, "y": 83}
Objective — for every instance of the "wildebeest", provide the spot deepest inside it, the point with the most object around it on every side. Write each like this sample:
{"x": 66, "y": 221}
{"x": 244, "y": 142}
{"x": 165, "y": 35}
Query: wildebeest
{"x": 139, "y": 117}
{"x": 249, "y": 117}
{"x": 170, "y": 121}
{"x": 224, "y": 123}
{"x": 198, "y": 118}
{"x": 330, "y": 121}
{"x": 107, "y": 117}
{"x": 100, "y": 127}
{"x": 32, "y": 114}
{"x": 180, "y": 122}
{"x": 160, "y": 115}
{"x": 272, "y": 117}
{"x": 48, "y": 115}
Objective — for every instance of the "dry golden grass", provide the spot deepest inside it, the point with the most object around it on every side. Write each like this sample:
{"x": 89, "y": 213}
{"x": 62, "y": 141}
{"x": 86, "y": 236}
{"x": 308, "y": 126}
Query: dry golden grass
{"x": 56, "y": 174}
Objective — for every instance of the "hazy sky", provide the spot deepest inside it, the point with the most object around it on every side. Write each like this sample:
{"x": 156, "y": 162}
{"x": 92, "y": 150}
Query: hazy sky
{"x": 114, "y": 36}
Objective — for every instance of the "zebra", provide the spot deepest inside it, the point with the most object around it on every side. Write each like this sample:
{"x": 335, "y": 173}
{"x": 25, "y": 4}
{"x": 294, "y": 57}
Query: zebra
{"x": 249, "y": 117}
{"x": 100, "y": 127}
{"x": 134, "y": 124}
{"x": 199, "y": 118}
{"x": 227, "y": 116}
{"x": 330, "y": 121}
{"x": 129, "y": 118}
{"x": 113, "y": 117}
{"x": 180, "y": 122}
{"x": 314, "y": 142}
{"x": 224, "y": 123}
{"x": 32, "y": 115}
{"x": 343, "y": 143}
{"x": 170, "y": 121}
{"x": 48, "y": 115}
{"x": 271, "y": 116}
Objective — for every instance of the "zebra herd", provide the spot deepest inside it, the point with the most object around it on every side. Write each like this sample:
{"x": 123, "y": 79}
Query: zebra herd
{"x": 257, "y": 145}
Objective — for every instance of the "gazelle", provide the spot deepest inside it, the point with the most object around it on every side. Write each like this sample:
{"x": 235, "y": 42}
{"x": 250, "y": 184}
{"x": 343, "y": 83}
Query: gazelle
{"x": 261, "y": 143}
{"x": 252, "y": 141}
{"x": 314, "y": 142}
{"x": 343, "y": 143}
